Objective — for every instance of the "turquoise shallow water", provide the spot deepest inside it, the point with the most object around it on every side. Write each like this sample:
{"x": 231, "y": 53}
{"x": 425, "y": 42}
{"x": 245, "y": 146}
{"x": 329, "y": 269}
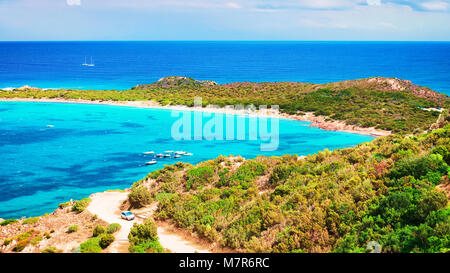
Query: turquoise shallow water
{"x": 92, "y": 148}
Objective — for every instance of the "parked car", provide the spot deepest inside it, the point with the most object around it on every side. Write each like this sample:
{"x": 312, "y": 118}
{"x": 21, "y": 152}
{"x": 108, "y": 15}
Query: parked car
{"x": 127, "y": 215}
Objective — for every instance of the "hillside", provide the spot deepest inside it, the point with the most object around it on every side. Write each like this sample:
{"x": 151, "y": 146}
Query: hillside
{"x": 384, "y": 103}
{"x": 393, "y": 190}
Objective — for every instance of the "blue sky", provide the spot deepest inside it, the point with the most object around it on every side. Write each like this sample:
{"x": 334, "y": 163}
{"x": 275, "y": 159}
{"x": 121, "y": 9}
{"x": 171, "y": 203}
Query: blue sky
{"x": 413, "y": 20}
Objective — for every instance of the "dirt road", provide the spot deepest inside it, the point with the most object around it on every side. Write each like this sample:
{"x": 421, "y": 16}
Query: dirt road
{"x": 106, "y": 206}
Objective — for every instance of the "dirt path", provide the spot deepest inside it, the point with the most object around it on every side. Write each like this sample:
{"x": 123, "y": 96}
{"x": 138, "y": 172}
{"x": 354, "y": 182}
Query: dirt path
{"x": 106, "y": 206}
{"x": 176, "y": 243}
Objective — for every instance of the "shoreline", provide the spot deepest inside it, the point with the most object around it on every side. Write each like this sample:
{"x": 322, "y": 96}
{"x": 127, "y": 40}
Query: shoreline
{"x": 316, "y": 121}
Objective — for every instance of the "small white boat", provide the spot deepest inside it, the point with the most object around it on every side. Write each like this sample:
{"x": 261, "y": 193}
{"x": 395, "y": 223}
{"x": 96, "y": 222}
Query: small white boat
{"x": 153, "y": 162}
{"x": 159, "y": 155}
{"x": 169, "y": 152}
{"x": 167, "y": 155}
{"x": 176, "y": 156}
{"x": 189, "y": 154}
{"x": 85, "y": 63}
{"x": 92, "y": 63}
{"x": 149, "y": 153}
{"x": 180, "y": 152}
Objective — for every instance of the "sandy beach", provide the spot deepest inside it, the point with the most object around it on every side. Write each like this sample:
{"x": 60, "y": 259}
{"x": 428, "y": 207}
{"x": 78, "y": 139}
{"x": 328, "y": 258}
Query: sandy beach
{"x": 316, "y": 121}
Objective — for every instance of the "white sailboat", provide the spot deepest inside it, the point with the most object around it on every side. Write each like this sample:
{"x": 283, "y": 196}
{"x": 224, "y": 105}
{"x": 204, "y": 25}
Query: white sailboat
{"x": 85, "y": 63}
{"x": 92, "y": 63}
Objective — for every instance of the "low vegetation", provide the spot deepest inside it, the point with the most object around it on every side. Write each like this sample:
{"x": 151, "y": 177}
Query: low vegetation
{"x": 106, "y": 240}
{"x": 92, "y": 245}
{"x": 8, "y": 222}
{"x": 113, "y": 228}
{"x": 100, "y": 239}
{"x": 72, "y": 229}
{"x": 139, "y": 197}
{"x": 98, "y": 230}
{"x": 81, "y": 205}
{"x": 144, "y": 238}
{"x": 52, "y": 249}
{"x": 389, "y": 190}
{"x": 31, "y": 220}
{"x": 24, "y": 239}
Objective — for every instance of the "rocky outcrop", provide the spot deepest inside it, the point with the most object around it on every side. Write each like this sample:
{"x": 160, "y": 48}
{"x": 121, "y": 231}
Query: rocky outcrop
{"x": 175, "y": 81}
{"x": 393, "y": 85}
{"x": 27, "y": 87}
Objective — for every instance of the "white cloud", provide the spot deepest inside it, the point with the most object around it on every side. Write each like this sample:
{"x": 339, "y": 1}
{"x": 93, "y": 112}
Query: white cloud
{"x": 435, "y": 6}
{"x": 374, "y": 2}
{"x": 326, "y": 4}
{"x": 73, "y": 2}
{"x": 233, "y": 5}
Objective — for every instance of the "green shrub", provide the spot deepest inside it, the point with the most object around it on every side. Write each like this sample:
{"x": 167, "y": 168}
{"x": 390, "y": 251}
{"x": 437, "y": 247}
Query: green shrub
{"x": 149, "y": 246}
{"x": 98, "y": 230}
{"x": 113, "y": 228}
{"x": 24, "y": 236}
{"x": 31, "y": 220}
{"x": 139, "y": 197}
{"x": 81, "y": 205}
{"x": 47, "y": 235}
{"x": 52, "y": 249}
{"x": 7, "y": 241}
{"x": 72, "y": 229}
{"x": 144, "y": 238}
{"x": 92, "y": 245}
{"x": 247, "y": 172}
{"x": 36, "y": 240}
{"x": 430, "y": 201}
{"x": 141, "y": 233}
{"x": 418, "y": 167}
{"x": 8, "y": 222}
{"x": 444, "y": 152}
{"x": 64, "y": 205}
{"x": 20, "y": 246}
{"x": 197, "y": 177}
{"x": 106, "y": 240}
{"x": 280, "y": 173}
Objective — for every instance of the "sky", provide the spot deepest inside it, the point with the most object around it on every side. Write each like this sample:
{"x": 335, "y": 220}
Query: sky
{"x": 299, "y": 20}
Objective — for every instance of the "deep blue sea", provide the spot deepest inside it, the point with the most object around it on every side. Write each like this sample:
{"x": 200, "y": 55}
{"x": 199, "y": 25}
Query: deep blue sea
{"x": 122, "y": 65}
{"x": 50, "y": 153}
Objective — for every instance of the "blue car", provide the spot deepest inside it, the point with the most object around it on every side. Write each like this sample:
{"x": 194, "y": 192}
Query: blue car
{"x": 127, "y": 215}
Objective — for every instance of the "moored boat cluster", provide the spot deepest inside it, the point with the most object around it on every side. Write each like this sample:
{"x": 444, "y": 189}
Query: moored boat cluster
{"x": 166, "y": 154}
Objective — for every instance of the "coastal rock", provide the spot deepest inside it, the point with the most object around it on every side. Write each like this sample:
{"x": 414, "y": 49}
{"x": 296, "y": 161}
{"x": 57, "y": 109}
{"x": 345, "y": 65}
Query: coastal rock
{"x": 27, "y": 87}
{"x": 394, "y": 84}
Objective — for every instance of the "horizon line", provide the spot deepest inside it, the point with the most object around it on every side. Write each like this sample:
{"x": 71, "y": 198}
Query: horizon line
{"x": 359, "y": 41}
